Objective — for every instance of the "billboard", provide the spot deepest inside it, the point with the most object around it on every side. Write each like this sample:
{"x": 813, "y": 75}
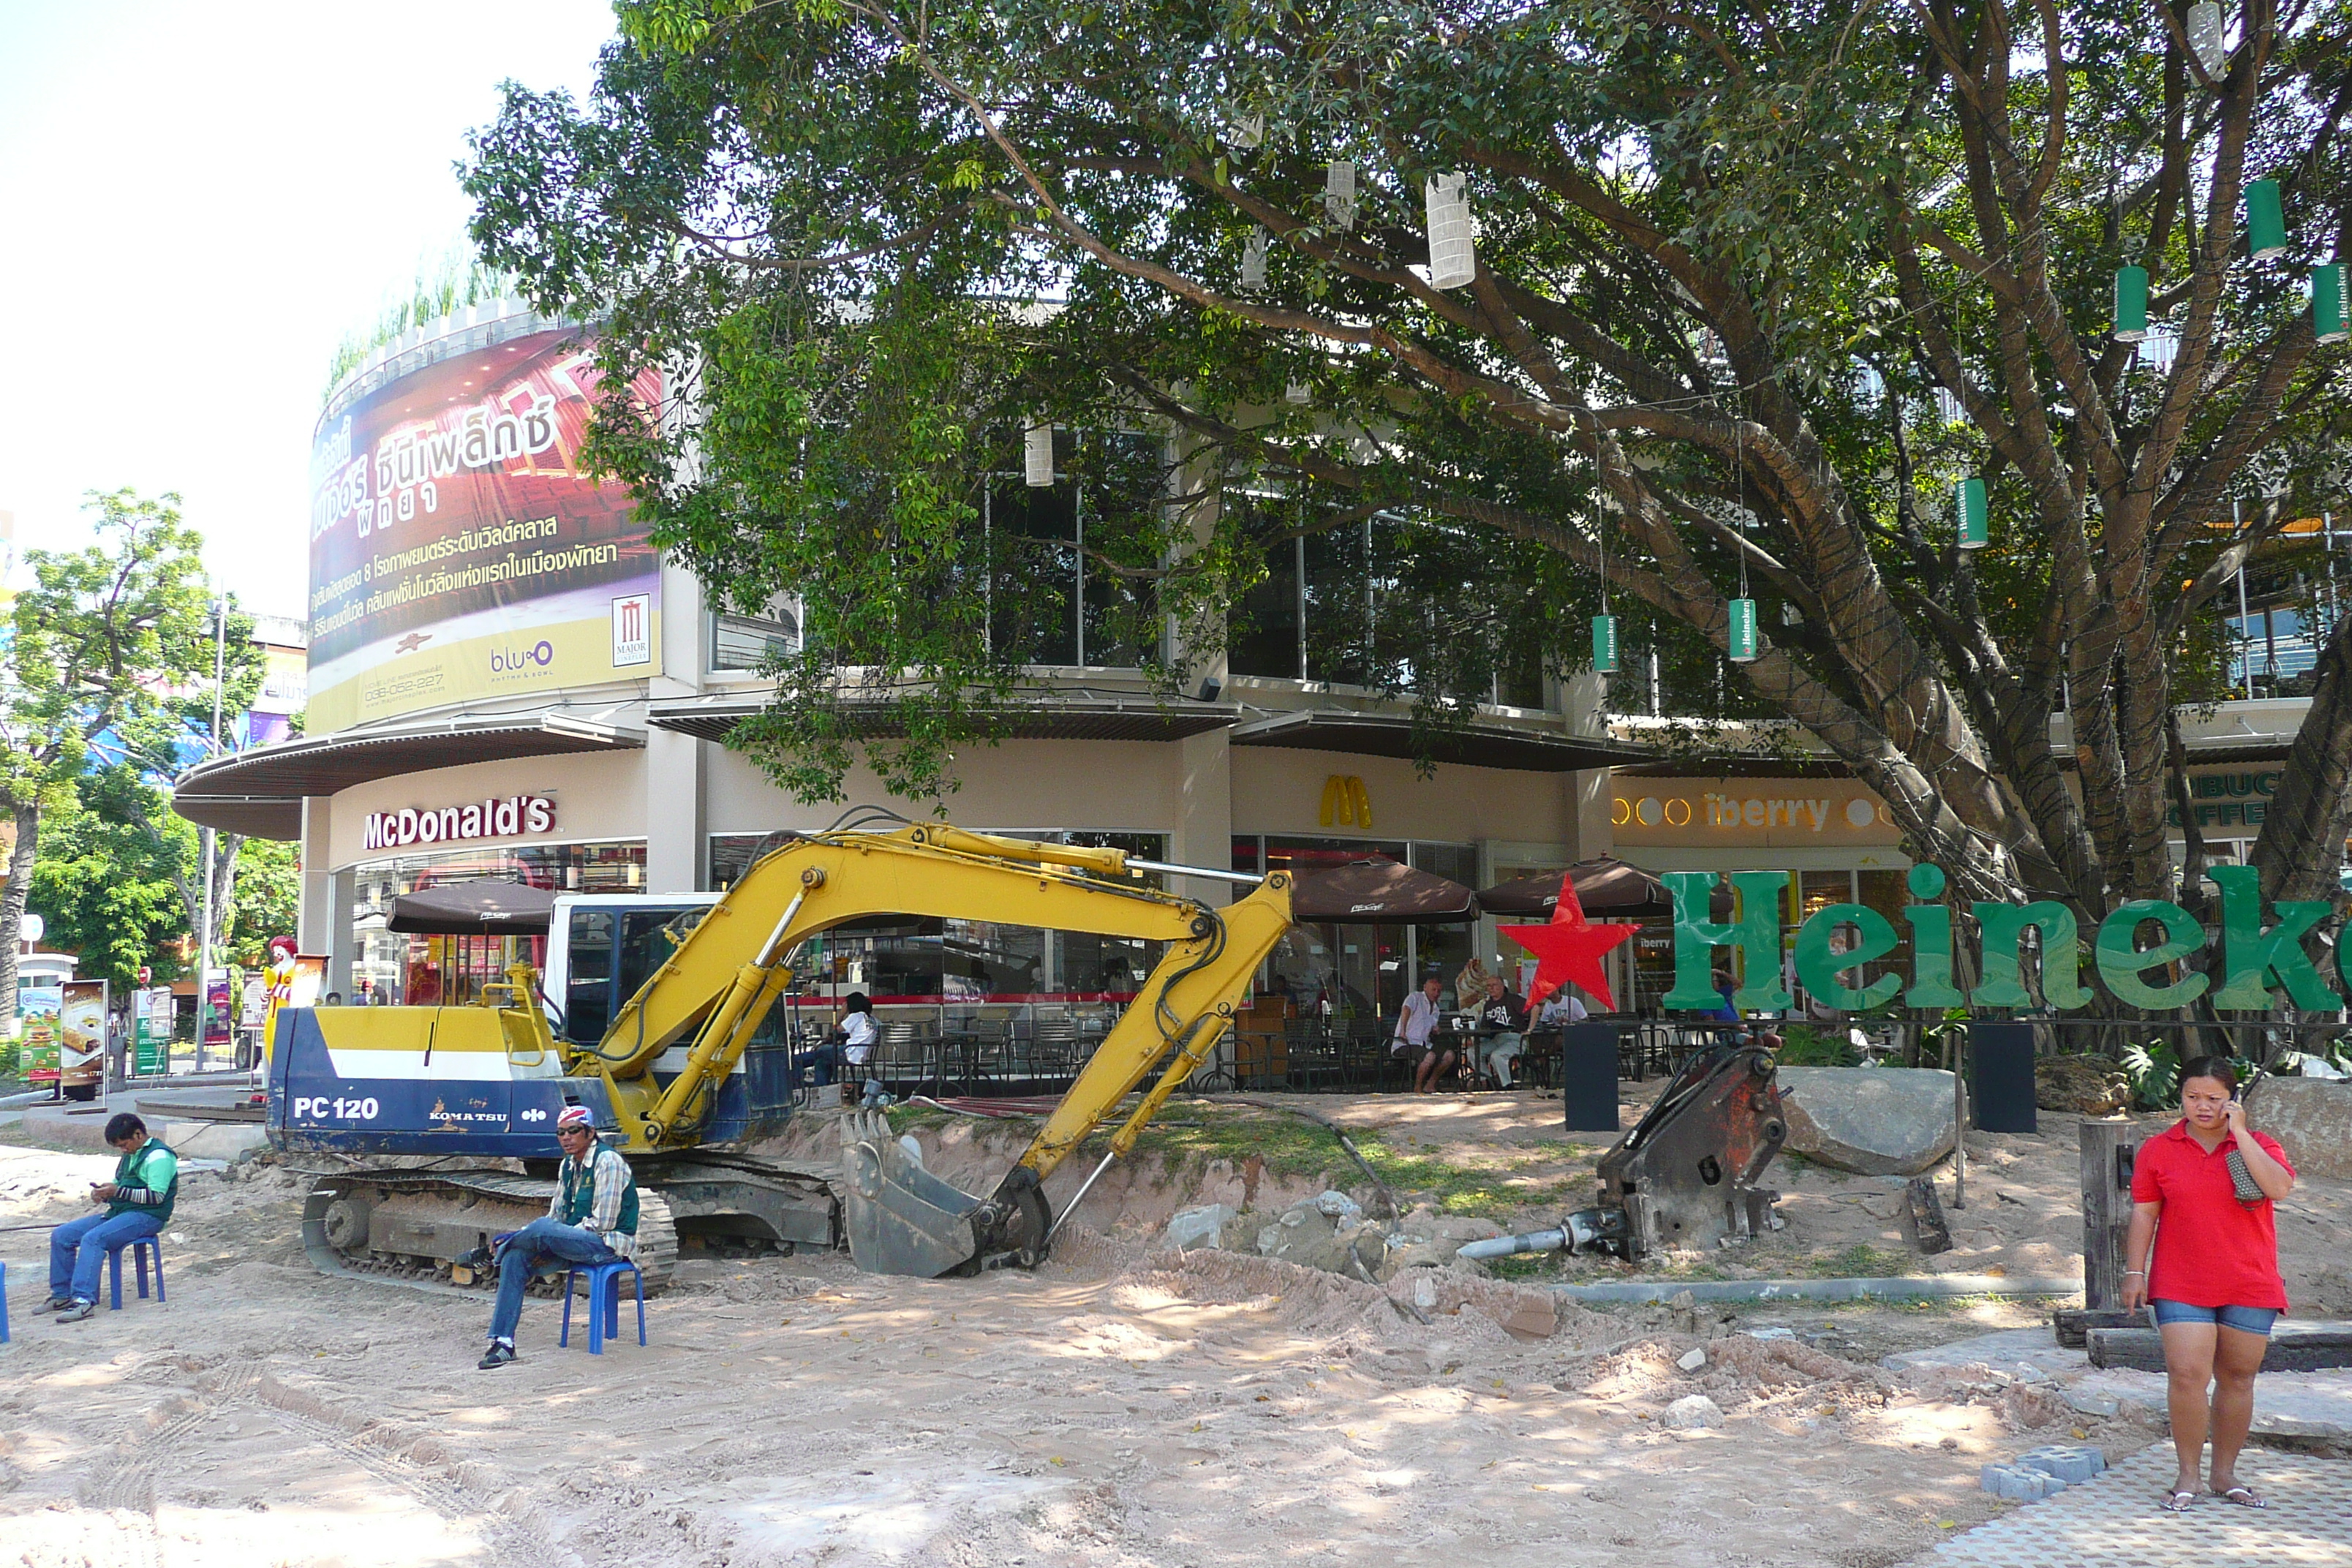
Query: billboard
{"x": 456, "y": 549}
{"x": 81, "y": 1056}
{"x": 38, "y": 1006}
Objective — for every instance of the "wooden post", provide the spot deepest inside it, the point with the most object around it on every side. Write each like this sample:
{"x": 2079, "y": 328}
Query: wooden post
{"x": 2106, "y": 1211}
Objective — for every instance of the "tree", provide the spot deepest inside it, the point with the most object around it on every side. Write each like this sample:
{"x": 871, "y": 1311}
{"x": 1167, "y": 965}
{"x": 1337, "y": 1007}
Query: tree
{"x": 106, "y": 887}
{"x": 113, "y": 644}
{"x": 1729, "y": 259}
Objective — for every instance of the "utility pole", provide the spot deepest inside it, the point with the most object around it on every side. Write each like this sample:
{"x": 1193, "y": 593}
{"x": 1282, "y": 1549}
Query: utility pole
{"x": 204, "y": 852}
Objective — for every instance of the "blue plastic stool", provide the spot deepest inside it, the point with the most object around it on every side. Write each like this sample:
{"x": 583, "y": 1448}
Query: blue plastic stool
{"x": 603, "y": 1302}
{"x": 139, "y": 1250}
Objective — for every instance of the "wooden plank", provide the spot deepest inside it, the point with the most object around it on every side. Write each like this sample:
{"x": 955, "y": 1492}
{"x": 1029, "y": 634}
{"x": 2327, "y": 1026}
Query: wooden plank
{"x": 2292, "y": 1349}
{"x": 2074, "y": 1324}
{"x": 1928, "y": 1225}
{"x": 2106, "y": 1212}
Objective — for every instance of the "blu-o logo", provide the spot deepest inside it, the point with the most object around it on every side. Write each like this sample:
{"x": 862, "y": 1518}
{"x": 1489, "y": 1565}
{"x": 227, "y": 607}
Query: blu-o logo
{"x": 542, "y": 653}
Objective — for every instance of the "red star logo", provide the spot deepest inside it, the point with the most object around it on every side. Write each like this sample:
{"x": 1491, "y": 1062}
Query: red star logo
{"x": 1570, "y": 950}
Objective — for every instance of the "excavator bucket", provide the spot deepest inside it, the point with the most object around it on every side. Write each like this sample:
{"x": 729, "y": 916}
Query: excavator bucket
{"x": 901, "y": 1219}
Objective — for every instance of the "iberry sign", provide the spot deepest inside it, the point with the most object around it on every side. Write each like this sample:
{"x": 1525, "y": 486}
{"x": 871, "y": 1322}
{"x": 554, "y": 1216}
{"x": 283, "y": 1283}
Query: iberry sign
{"x": 2256, "y": 959}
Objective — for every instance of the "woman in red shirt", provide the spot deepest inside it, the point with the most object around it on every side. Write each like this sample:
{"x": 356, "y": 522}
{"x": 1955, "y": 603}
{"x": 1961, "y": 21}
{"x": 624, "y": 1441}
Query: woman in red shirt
{"x": 2213, "y": 1278}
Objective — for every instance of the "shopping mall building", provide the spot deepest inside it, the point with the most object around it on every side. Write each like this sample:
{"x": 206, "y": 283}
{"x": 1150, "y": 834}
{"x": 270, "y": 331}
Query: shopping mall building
{"x": 505, "y": 679}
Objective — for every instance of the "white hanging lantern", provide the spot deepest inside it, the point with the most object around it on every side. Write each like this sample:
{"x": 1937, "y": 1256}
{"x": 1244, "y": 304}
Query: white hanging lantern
{"x": 1340, "y": 195}
{"x": 1037, "y": 455}
{"x": 1295, "y": 392}
{"x": 2158, "y": 349}
{"x": 1247, "y": 131}
{"x": 1254, "y": 262}
{"x": 1453, "y": 258}
{"x": 2205, "y": 39}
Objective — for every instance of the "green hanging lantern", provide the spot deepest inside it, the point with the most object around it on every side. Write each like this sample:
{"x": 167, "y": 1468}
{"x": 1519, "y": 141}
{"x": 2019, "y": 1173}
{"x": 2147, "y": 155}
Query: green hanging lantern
{"x": 2131, "y": 304}
{"x": 1968, "y": 511}
{"x": 2265, "y": 221}
{"x": 2328, "y": 302}
{"x": 1743, "y": 631}
{"x": 1605, "y": 644}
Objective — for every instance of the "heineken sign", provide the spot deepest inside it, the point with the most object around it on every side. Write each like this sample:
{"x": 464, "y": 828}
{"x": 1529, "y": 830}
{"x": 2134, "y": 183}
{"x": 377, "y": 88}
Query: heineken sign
{"x": 2255, "y": 958}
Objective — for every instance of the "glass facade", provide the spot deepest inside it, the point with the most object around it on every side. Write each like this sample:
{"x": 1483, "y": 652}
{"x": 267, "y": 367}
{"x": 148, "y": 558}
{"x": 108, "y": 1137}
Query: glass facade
{"x": 429, "y": 971}
{"x": 1333, "y": 971}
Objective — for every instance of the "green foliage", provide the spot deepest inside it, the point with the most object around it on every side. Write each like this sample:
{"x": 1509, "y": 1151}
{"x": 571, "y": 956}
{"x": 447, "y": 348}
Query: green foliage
{"x": 2153, "y": 1072}
{"x": 1803, "y": 1046}
{"x": 454, "y": 282}
{"x": 104, "y": 885}
{"x": 1728, "y": 255}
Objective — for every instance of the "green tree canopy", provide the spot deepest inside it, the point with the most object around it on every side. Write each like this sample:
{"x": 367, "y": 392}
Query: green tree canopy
{"x": 1733, "y": 264}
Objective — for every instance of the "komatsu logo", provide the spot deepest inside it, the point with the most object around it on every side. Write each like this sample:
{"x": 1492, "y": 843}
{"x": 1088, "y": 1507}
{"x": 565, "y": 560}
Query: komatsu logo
{"x": 516, "y": 814}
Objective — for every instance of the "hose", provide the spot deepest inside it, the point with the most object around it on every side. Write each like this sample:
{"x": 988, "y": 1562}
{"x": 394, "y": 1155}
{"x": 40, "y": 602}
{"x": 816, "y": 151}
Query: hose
{"x": 1509, "y": 1245}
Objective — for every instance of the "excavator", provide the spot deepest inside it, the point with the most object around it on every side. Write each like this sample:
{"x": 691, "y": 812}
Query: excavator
{"x": 426, "y": 1107}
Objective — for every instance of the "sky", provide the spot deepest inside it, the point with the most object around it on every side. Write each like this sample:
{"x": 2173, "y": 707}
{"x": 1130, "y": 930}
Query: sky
{"x": 197, "y": 203}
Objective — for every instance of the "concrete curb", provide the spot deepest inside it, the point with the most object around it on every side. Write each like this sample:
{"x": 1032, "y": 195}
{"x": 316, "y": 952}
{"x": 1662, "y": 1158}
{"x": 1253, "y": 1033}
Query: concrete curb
{"x": 1926, "y": 1285}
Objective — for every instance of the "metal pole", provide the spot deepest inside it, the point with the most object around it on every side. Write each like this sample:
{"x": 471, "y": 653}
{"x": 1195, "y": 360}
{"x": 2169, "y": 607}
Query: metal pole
{"x": 205, "y": 935}
{"x": 2245, "y": 638}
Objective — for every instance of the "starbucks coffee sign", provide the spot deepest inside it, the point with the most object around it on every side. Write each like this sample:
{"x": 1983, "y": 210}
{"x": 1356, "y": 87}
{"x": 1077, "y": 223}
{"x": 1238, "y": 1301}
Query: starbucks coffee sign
{"x": 2135, "y": 952}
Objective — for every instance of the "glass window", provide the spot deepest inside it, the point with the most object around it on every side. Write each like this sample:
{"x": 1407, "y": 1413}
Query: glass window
{"x": 1339, "y": 610}
{"x": 445, "y": 971}
{"x": 755, "y": 642}
{"x": 1034, "y": 566}
{"x": 1263, "y": 636}
{"x": 588, "y": 996}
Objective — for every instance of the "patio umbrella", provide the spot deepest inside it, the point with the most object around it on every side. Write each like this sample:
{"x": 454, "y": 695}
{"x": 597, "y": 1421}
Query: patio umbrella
{"x": 488, "y": 906}
{"x": 1381, "y": 892}
{"x": 1607, "y": 888}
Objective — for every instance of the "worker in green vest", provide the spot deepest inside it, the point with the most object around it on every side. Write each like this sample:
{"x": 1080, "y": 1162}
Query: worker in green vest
{"x": 591, "y": 1219}
{"x": 138, "y": 1205}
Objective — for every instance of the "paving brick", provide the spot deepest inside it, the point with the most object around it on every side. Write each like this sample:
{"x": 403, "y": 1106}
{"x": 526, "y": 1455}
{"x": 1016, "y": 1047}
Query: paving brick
{"x": 2070, "y": 1462}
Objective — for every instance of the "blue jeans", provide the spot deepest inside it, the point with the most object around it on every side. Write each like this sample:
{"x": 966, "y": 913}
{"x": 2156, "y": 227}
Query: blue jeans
{"x": 2245, "y": 1320}
{"x": 77, "y": 1249}
{"x": 518, "y": 1258}
{"x": 825, "y": 1059}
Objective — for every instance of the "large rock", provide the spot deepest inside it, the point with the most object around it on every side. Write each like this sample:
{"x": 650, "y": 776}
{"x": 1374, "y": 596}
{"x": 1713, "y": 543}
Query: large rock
{"x": 1879, "y": 1121}
{"x": 2311, "y": 1120}
{"x": 1210, "y": 1226}
{"x": 1310, "y": 1235}
{"x": 2087, "y": 1086}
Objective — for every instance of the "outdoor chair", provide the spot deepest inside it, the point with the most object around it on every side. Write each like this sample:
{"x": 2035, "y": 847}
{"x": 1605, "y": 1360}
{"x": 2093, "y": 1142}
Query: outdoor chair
{"x": 603, "y": 1302}
{"x": 139, "y": 1249}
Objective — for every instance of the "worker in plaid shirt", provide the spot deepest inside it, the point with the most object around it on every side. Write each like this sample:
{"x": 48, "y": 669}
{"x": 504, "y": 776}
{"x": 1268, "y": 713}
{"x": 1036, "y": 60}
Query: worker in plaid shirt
{"x": 591, "y": 1219}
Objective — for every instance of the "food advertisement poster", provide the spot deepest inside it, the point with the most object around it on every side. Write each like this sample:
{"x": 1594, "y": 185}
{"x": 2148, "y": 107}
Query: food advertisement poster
{"x": 38, "y": 1011}
{"x": 151, "y": 1025}
{"x": 459, "y": 551}
{"x": 83, "y": 1033}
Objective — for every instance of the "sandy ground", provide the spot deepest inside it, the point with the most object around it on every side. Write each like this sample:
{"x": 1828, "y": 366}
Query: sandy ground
{"x": 1121, "y": 1405}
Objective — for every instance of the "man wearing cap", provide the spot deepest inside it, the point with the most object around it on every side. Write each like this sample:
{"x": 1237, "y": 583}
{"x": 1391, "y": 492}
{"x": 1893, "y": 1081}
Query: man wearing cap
{"x": 591, "y": 1219}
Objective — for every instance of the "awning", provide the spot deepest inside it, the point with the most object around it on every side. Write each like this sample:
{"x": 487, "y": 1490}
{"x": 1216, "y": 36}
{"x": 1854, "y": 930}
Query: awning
{"x": 259, "y": 793}
{"x": 1486, "y": 743}
{"x": 1051, "y": 719}
{"x": 1381, "y": 892}
{"x": 487, "y": 906}
{"x": 1604, "y": 886}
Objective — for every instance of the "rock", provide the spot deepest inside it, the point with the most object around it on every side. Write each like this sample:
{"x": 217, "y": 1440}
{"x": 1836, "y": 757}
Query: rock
{"x": 1532, "y": 1321}
{"x": 1458, "y": 1229}
{"x": 1692, "y": 1413}
{"x": 2018, "y": 1484}
{"x": 1691, "y": 1360}
{"x": 1424, "y": 1292}
{"x": 2087, "y": 1086}
{"x": 2099, "y": 1404}
{"x": 2070, "y": 1462}
{"x": 2311, "y": 1117}
{"x": 1878, "y": 1121}
{"x": 1420, "y": 1255}
{"x": 1771, "y": 1333}
{"x": 1339, "y": 1206}
{"x": 1210, "y": 1226}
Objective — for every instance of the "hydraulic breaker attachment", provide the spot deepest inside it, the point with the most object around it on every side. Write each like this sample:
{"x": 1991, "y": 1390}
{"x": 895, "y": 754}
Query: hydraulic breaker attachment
{"x": 901, "y": 1219}
{"x": 1686, "y": 1176}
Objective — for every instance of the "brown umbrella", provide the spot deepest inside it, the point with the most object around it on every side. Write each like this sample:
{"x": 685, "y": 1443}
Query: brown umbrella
{"x": 488, "y": 906}
{"x": 1381, "y": 892}
{"x": 1605, "y": 887}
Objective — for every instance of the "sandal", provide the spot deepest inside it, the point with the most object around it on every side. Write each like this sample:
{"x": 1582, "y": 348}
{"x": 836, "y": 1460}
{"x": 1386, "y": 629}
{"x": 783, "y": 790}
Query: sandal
{"x": 2244, "y": 1497}
{"x": 2180, "y": 1502}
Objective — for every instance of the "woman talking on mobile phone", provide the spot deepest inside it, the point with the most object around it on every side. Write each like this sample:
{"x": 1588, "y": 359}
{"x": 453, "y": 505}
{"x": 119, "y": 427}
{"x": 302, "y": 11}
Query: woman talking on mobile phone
{"x": 2202, "y": 1192}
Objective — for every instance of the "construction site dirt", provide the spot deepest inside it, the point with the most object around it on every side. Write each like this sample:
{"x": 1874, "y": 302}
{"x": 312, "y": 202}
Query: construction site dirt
{"x": 1124, "y": 1403}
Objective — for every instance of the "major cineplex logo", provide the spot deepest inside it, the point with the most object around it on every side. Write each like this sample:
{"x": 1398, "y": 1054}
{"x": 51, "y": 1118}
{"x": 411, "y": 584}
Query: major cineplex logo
{"x": 455, "y": 824}
{"x": 1835, "y": 941}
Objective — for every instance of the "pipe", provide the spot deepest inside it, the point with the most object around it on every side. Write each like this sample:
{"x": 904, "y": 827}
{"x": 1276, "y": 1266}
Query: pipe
{"x": 1926, "y": 1285}
{"x": 1508, "y": 1245}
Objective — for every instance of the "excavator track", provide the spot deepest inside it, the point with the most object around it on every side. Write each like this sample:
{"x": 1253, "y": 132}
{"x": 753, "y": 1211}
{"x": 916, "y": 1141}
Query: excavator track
{"x": 409, "y": 1227}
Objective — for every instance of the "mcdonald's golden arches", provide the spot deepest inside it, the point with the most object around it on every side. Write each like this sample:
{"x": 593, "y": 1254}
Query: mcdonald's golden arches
{"x": 1345, "y": 803}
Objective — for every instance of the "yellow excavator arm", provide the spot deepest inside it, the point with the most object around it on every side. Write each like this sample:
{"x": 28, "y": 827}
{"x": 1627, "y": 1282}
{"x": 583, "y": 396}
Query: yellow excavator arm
{"x": 719, "y": 982}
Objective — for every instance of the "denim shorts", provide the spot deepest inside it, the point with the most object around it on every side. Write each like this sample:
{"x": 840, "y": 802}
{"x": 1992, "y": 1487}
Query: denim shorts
{"x": 2245, "y": 1320}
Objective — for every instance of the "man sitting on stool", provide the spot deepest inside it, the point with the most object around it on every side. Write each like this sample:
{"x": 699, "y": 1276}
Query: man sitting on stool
{"x": 591, "y": 1219}
{"x": 138, "y": 1206}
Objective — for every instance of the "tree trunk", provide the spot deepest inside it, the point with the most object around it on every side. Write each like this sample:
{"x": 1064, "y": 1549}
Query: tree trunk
{"x": 12, "y": 908}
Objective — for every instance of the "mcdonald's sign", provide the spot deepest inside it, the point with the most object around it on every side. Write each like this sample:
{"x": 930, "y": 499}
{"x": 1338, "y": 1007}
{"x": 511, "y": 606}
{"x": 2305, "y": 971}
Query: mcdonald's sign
{"x": 1345, "y": 804}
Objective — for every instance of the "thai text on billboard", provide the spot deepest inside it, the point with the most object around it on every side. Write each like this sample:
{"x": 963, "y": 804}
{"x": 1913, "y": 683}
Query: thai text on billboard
{"x": 457, "y": 550}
